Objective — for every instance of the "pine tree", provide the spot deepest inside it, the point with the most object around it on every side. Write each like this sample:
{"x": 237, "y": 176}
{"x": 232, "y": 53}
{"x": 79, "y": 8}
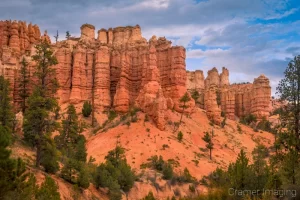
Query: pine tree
{"x": 239, "y": 171}
{"x": 260, "y": 168}
{"x": 179, "y": 136}
{"x": 184, "y": 99}
{"x": 6, "y": 113}
{"x": 290, "y": 167}
{"x": 48, "y": 190}
{"x": 69, "y": 134}
{"x": 87, "y": 109}
{"x": 38, "y": 121}
{"x": 24, "y": 83}
{"x": 83, "y": 178}
{"x": 80, "y": 149}
{"x": 70, "y": 171}
{"x": 68, "y": 35}
{"x": 15, "y": 183}
{"x": 289, "y": 91}
{"x": 209, "y": 144}
{"x": 49, "y": 158}
{"x": 56, "y": 36}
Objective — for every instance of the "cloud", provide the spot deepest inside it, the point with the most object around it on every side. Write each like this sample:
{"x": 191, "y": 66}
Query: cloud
{"x": 215, "y": 32}
{"x": 284, "y": 14}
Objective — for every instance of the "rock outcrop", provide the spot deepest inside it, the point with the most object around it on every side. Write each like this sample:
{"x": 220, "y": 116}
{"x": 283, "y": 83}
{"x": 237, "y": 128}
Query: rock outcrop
{"x": 118, "y": 69}
{"x": 234, "y": 100}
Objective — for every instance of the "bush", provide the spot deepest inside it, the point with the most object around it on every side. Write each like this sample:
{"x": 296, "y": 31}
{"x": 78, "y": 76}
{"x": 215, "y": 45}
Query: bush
{"x": 49, "y": 158}
{"x": 115, "y": 173}
{"x": 248, "y": 119}
{"x": 192, "y": 188}
{"x": 48, "y": 190}
{"x": 146, "y": 118}
{"x": 223, "y": 123}
{"x": 223, "y": 114}
{"x": 87, "y": 109}
{"x": 167, "y": 171}
{"x": 112, "y": 115}
{"x": 180, "y": 136}
{"x": 150, "y": 196}
{"x": 83, "y": 179}
{"x": 239, "y": 128}
{"x": 264, "y": 125}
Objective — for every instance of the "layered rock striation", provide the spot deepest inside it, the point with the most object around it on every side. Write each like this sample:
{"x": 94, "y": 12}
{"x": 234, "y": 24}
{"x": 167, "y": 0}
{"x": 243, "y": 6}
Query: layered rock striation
{"x": 234, "y": 100}
{"x": 118, "y": 69}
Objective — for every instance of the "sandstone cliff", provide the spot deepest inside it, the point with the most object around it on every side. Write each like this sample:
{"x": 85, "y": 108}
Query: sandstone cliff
{"x": 118, "y": 69}
{"x": 235, "y": 100}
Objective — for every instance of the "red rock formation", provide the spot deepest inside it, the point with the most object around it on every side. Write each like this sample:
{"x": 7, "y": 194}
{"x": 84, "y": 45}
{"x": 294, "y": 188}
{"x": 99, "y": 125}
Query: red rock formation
{"x": 117, "y": 70}
{"x": 151, "y": 99}
{"x": 213, "y": 111}
{"x": 46, "y": 38}
{"x": 261, "y": 95}
{"x": 237, "y": 100}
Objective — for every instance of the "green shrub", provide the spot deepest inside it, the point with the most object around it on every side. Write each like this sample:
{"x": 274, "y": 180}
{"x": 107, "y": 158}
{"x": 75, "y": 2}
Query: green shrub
{"x": 48, "y": 190}
{"x": 180, "y": 136}
{"x": 167, "y": 171}
{"x": 223, "y": 123}
{"x": 239, "y": 128}
{"x": 150, "y": 196}
{"x": 192, "y": 188}
{"x": 264, "y": 125}
{"x": 115, "y": 173}
{"x": 248, "y": 119}
{"x": 87, "y": 109}
{"x": 146, "y": 118}
{"x": 112, "y": 115}
{"x": 223, "y": 114}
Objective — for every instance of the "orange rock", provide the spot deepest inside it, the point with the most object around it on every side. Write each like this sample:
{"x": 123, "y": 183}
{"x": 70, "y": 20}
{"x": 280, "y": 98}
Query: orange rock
{"x": 237, "y": 100}
{"x": 119, "y": 69}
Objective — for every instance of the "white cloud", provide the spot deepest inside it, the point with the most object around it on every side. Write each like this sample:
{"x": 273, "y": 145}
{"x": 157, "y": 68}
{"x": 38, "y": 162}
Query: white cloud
{"x": 282, "y": 15}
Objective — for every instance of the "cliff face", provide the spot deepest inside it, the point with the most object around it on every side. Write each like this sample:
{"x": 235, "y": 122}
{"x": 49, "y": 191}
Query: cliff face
{"x": 118, "y": 69}
{"x": 234, "y": 100}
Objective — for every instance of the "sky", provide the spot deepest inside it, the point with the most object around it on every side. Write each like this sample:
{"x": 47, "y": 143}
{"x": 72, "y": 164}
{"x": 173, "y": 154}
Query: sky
{"x": 249, "y": 37}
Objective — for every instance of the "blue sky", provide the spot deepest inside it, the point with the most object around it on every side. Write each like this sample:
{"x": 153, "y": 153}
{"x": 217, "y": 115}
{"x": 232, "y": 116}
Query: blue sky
{"x": 249, "y": 37}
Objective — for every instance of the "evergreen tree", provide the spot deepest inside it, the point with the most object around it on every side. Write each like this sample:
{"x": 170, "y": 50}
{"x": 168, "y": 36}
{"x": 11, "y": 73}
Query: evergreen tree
{"x": 6, "y": 113}
{"x": 167, "y": 171}
{"x": 289, "y": 91}
{"x": 80, "y": 150}
{"x": 56, "y": 36}
{"x": 83, "y": 178}
{"x": 87, "y": 109}
{"x": 68, "y": 35}
{"x": 209, "y": 144}
{"x": 48, "y": 190}
{"x": 179, "y": 136}
{"x": 291, "y": 167}
{"x": 23, "y": 84}
{"x": 260, "y": 168}
{"x": 70, "y": 171}
{"x": 38, "y": 121}
{"x": 239, "y": 172}
{"x": 66, "y": 140}
{"x": 7, "y": 165}
{"x": 115, "y": 173}
{"x": 49, "y": 158}
{"x": 150, "y": 196}
{"x": 184, "y": 99}
{"x": 14, "y": 182}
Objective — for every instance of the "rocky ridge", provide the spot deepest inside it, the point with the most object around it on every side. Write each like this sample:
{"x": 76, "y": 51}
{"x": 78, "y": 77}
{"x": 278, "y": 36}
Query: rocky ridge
{"x": 234, "y": 100}
{"x": 117, "y": 70}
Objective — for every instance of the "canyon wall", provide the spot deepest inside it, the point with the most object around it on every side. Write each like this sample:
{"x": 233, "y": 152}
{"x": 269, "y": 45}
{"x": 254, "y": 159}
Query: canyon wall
{"x": 118, "y": 69}
{"x": 233, "y": 100}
